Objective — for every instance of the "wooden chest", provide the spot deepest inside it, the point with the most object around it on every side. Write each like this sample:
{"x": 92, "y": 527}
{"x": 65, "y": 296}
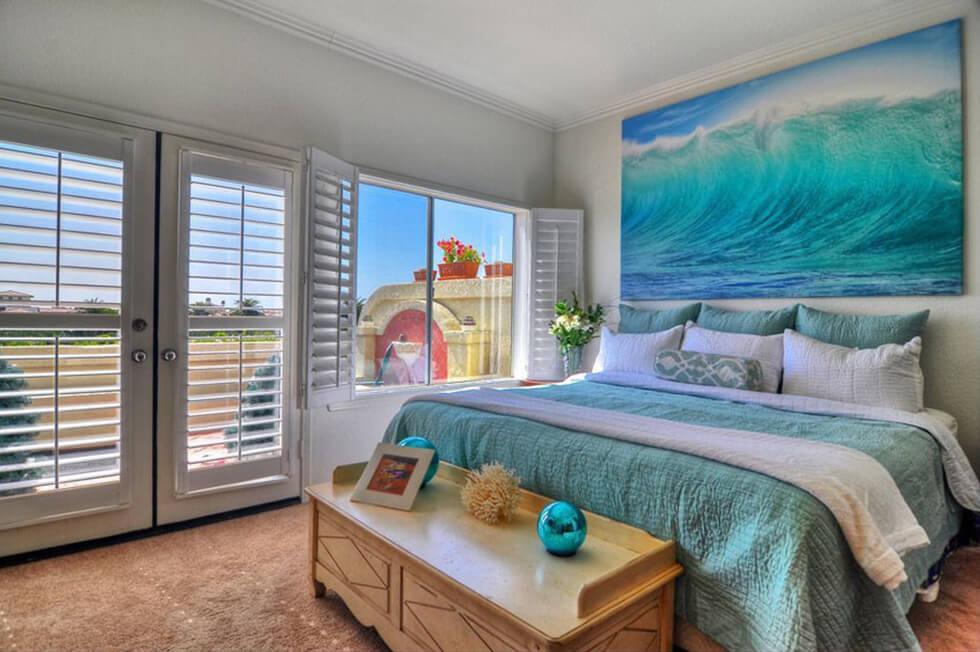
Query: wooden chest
{"x": 438, "y": 579}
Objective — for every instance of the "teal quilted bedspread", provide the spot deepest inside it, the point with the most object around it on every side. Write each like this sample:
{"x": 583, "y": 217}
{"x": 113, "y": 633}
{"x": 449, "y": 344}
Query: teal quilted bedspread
{"x": 766, "y": 565}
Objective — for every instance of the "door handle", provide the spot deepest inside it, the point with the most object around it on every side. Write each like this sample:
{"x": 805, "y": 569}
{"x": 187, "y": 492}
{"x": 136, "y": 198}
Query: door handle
{"x": 139, "y": 356}
{"x": 169, "y": 355}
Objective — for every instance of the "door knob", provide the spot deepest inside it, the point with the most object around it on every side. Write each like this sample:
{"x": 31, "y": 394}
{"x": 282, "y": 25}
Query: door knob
{"x": 169, "y": 355}
{"x": 139, "y": 356}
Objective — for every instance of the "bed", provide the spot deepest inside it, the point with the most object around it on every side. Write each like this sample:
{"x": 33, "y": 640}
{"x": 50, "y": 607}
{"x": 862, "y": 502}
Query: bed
{"x": 766, "y": 565}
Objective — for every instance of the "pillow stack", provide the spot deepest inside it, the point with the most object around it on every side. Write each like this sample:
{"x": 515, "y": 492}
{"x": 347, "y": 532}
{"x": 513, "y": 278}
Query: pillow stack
{"x": 870, "y": 360}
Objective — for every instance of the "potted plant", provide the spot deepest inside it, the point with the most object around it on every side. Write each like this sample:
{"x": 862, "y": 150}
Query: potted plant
{"x": 458, "y": 260}
{"x": 574, "y": 327}
{"x": 498, "y": 269}
{"x": 419, "y": 275}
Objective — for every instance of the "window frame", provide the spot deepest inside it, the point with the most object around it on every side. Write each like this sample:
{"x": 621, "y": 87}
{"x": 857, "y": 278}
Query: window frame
{"x": 521, "y": 259}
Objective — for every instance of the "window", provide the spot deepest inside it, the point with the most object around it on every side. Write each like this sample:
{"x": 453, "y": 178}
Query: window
{"x": 434, "y": 288}
{"x": 61, "y": 224}
{"x": 236, "y": 313}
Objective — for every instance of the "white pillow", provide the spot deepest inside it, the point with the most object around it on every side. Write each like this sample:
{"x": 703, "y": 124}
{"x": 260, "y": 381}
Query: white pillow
{"x": 634, "y": 352}
{"x": 888, "y": 376}
{"x": 767, "y": 349}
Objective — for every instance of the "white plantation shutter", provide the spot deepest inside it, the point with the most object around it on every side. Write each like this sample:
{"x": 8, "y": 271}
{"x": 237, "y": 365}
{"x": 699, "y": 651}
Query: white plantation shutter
{"x": 556, "y": 272}
{"x": 331, "y": 208}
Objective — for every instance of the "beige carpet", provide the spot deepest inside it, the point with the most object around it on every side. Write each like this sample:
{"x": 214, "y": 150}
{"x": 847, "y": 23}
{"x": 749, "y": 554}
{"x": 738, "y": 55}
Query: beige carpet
{"x": 242, "y": 585}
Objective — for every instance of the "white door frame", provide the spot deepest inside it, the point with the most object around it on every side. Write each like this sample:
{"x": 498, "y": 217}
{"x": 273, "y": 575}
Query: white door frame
{"x": 35, "y": 521}
{"x": 178, "y": 498}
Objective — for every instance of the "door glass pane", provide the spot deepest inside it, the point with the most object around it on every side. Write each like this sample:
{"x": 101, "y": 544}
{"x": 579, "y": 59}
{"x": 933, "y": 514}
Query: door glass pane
{"x": 237, "y": 248}
{"x": 391, "y": 288}
{"x": 61, "y": 217}
{"x": 234, "y": 396}
{"x": 235, "y": 342}
{"x": 60, "y": 412}
{"x": 472, "y": 306}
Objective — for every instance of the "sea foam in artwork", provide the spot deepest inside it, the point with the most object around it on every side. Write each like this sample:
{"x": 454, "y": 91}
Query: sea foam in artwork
{"x": 839, "y": 177}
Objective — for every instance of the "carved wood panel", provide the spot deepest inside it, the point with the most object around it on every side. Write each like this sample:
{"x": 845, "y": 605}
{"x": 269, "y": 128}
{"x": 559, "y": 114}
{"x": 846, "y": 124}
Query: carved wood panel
{"x": 354, "y": 564}
{"x": 439, "y": 625}
{"x": 641, "y": 634}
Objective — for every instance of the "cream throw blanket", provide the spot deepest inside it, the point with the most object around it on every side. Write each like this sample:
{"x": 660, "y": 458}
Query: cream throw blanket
{"x": 864, "y": 499}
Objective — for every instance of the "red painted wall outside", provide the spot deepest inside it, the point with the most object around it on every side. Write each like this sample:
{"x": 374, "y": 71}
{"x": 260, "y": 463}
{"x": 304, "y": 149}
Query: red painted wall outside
{"x": 411, "y": 324}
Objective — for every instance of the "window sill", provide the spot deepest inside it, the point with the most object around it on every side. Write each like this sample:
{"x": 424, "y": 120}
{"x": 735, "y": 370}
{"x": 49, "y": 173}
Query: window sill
{"x": 366, "y": 399}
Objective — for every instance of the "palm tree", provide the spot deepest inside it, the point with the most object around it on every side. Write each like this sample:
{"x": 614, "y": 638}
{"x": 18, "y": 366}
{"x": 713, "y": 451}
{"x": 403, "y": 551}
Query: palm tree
{"x": 248, "y": 307}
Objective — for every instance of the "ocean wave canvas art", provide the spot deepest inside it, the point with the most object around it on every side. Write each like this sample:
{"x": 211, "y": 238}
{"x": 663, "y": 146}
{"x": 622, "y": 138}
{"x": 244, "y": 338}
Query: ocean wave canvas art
{"x": 840, "y": 177}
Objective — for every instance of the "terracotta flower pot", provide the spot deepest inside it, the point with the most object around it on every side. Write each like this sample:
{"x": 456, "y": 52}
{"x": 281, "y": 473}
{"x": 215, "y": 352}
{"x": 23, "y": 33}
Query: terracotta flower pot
{"x": 455, "y": 271}
{"x": 420, "y": 275}
{"x": 496, "y": 270}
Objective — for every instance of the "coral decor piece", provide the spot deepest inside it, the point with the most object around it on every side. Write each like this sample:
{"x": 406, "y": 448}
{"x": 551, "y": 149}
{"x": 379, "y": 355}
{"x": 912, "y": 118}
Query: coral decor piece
{"x": 491, "y": 494}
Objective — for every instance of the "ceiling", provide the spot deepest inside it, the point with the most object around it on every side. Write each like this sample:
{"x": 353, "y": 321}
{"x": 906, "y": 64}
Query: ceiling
{"x": 558, "y": 63}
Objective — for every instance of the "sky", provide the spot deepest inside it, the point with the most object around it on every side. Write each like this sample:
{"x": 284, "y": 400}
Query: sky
{"x": 917, "y": 64}
{"x": 91, "y": 223}
{"x": 391, "y": 236}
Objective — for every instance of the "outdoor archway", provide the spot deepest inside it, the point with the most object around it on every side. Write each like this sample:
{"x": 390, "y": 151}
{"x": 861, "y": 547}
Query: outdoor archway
{"x": 409, "y": 326}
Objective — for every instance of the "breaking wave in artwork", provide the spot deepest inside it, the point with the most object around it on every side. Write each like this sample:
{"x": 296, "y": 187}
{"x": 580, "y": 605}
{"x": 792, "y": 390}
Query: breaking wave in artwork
{"x": 860, "y": 198}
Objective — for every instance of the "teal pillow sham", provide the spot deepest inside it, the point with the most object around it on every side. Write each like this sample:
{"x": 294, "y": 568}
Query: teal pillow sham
{"x": 860, "y": 331}
{"x": 750, "y": 322}
{"x": 709, "y": 369}
{"x": 633, "y": 320}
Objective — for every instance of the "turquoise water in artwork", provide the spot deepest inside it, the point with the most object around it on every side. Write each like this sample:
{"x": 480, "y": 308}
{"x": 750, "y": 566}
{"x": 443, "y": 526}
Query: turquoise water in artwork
{"x": 857, "y": 192}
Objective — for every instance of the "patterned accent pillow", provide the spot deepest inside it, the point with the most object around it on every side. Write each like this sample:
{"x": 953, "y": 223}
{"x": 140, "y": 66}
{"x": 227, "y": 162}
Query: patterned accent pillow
{"x": 709, "y": 369}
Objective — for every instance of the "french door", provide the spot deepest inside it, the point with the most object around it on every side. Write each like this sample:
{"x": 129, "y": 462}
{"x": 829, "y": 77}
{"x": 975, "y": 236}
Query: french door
{"x": 76, "y": 328}
{"x": 99, "y": 368}
{"x": 227, "y": 424}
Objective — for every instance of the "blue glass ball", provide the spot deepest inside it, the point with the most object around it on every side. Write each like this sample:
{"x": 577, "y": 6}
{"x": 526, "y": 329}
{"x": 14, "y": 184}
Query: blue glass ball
{"x": 422, "y": 442}
{"x": 561, "y": 528}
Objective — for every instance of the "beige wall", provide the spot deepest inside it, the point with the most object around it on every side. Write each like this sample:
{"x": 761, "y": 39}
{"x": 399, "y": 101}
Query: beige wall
{"x": 587, "y": 175}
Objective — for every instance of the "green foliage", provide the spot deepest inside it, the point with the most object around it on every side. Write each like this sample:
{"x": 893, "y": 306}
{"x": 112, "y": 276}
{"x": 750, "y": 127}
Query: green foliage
{"x": 11, "y": 381}
{"x": 260, "y": 382}
{"x": 248, "y": 307}
{"x": 93, "y": 309}
{"x": 575, "y": 326}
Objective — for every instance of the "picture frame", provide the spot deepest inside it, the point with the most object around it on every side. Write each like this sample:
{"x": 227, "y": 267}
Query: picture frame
{"x": 393, "y": 476}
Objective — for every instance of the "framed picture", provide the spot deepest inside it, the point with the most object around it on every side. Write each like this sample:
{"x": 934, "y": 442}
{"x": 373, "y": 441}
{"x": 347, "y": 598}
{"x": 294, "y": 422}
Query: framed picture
{"x": 838, "y": 177}
{"x": 393, "y": 476}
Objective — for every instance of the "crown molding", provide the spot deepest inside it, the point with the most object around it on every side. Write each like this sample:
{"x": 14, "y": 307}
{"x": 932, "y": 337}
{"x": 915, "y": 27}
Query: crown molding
{"x": 867, "y": 28}
{"x": 898, "y": 17}
{"x": 332, "y": 40}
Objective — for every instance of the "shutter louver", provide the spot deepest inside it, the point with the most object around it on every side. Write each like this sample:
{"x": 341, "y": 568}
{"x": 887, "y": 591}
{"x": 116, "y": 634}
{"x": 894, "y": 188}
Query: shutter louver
{"x": 331, "y": 304}
{"x": 556, "y": 272}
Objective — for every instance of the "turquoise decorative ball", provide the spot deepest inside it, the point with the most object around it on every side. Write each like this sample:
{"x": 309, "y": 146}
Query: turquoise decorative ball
{"x": 561, "y": 528}
{"x": 422, "y": 442}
